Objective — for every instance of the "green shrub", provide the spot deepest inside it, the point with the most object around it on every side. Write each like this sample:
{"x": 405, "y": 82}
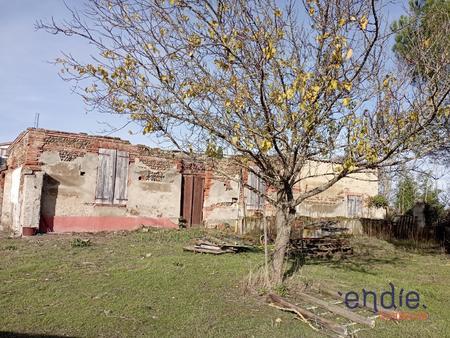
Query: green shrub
{"x": 378, "y": 201}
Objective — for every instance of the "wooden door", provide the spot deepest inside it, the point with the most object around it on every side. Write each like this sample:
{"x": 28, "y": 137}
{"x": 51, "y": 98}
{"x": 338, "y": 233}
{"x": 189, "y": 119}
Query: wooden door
{"x": 192, "y": 199}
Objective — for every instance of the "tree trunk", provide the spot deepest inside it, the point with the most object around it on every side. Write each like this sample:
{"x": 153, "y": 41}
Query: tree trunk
{"x": 283, "y": 221}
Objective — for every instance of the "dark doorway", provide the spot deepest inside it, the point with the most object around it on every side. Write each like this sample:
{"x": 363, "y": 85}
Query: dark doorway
{"x": 192, "y": 199}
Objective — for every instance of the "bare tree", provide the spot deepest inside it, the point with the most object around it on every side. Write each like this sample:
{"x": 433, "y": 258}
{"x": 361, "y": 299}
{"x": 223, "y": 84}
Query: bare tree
{"x": 277, "y": 87}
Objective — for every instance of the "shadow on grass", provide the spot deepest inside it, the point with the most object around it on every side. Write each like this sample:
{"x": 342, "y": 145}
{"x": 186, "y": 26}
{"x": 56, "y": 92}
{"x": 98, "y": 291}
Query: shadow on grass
{"x": 421, "y": 248}
{"x": 361, "y": 263}
{"x": 27, "y": 335}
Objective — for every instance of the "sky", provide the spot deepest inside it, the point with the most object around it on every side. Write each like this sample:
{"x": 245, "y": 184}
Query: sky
{"x": 30, "y": 84}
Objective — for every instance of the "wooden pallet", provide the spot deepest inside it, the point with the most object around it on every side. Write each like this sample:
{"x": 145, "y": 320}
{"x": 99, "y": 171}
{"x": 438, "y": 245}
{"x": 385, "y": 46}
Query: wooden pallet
{"x": 216, "y": 247}
{"x": 324, "y": 313}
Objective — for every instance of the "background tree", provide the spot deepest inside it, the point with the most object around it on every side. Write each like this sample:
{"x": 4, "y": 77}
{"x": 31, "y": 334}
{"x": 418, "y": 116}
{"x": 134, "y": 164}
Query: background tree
{"x": 426, "y": 27}
{"x": 407, "y": 194}
{"x": 277, "y": 86}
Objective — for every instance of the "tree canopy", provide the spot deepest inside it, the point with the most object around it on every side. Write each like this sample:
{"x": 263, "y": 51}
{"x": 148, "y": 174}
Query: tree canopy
{"x": 427, "y": 27}
{"x": 427, "y": 23}
{"x": 276, "y": 85}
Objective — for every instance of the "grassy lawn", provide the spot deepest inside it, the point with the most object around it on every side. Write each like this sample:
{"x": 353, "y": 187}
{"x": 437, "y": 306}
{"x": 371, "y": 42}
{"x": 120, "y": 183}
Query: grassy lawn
{"x": 143, "y": 284}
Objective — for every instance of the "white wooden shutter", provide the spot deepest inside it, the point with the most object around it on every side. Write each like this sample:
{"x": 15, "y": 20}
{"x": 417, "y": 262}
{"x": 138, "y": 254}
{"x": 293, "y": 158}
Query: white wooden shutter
{"x": 104, "y": 192}
{"x": 354, "y": 205}
{"x": 255, "y": 200}
{"x": 358, "y": 206}
{"x": 121, "y": 180}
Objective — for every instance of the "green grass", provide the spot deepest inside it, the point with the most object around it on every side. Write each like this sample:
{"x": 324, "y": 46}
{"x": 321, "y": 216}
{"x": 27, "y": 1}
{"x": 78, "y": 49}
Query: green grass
{"x": 143, "y": 284}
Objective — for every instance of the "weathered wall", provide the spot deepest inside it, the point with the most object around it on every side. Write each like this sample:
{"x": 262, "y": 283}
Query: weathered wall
{"x": 11, "y": 204}
{"x": 221, "y": 203}
{"x": 31, "y": 190}
{"x": 69, "y": 167}
{"x": 68, "y": 204}
{"x": 69, "y": 164}
{"x": 333, "y": 201}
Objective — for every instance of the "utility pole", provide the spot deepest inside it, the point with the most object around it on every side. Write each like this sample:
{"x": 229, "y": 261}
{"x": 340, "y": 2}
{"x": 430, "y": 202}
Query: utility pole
{"x": 36, "y": 120}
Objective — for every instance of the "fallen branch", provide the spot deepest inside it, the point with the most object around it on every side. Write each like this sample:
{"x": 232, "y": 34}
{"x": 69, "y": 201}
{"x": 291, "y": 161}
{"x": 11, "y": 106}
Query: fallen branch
{"x": 284, "y": 305}
{"x": 338, "y": 310}
{"x": 334, "y": 293}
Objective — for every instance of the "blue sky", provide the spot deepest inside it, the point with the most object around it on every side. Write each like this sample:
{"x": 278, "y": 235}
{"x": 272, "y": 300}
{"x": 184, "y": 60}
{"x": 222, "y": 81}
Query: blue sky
{"x": 30, "y": 84}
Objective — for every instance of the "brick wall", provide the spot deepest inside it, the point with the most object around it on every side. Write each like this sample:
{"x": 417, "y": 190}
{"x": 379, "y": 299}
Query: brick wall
{"x": 29, "y": 146}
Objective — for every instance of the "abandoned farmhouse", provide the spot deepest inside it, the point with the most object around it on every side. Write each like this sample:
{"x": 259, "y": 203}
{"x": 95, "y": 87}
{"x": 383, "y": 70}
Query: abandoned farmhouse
{"x": 55, "y": 181}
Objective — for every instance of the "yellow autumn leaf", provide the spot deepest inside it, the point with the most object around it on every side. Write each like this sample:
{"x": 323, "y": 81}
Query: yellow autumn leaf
{"x": 347, "y": 86}
{"x": 269, "y": 51}
{"x": 290, "y": 93}
{"x": 277, "y": 13}
{"x": 349, "y": 54}
{"x": 342, "y": 22}
{"x": 346, "y": 101}
{"x": 195, "y": 40}
{"x": 311, "y": 10}
{"x": 235, "y": 140}
{"x": 265, "y": 145}
{"x": 363, "y": 22}
{"x": 333, "y": 84}
{"x": 349, "y": 164}
{"x": 150, "y": 46}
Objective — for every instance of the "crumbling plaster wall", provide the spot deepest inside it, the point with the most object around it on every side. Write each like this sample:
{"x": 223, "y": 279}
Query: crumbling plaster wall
{"x": 68, "y": 165}
{"x": 70, "y": 189}
{"x": 31, "y": 191}
{"x": 12, "y": 200}
{"x": 6, "y": 215}
{"x": 333, "y": 201}
{"x": 221, "y": 201}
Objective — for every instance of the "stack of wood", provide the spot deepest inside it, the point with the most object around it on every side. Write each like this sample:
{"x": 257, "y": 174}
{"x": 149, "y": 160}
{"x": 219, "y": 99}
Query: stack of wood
{"x": 322, "y": 239}
{"x": 321, "y": 247}
{"x": 216, "y": 246}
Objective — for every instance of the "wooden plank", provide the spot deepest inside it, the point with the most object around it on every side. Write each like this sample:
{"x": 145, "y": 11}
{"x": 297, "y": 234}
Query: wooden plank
{"x": 338, "y": 310}
{"x": 282, "y": 304}
{"x": 121, "y": 179}
{"x": 333, "y": 293}
{"x": 104, "y": 192}
{"x": 208, "y": 247}
{"x": 200, "y": 250}
{"x": 224, "y": 245}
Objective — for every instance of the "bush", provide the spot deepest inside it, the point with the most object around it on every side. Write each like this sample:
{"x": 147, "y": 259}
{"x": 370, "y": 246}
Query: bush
{"x": 378, "y": 201}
